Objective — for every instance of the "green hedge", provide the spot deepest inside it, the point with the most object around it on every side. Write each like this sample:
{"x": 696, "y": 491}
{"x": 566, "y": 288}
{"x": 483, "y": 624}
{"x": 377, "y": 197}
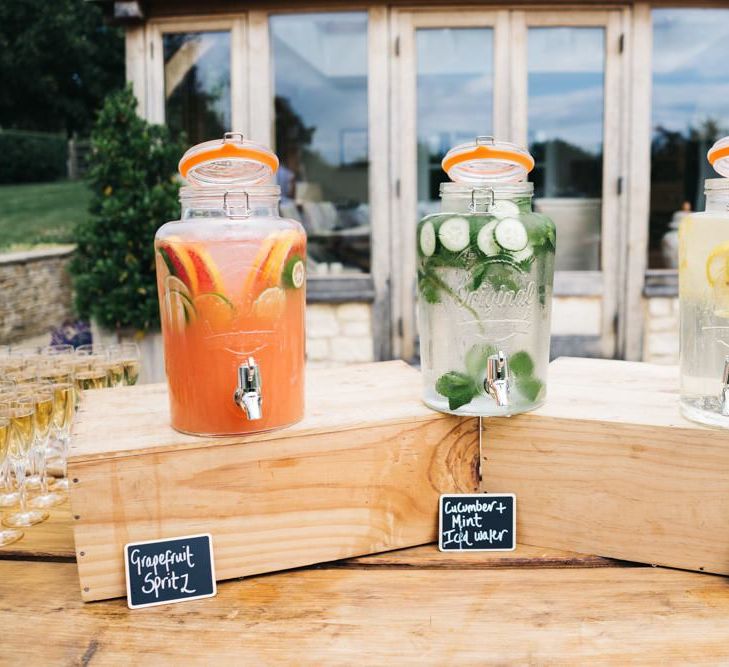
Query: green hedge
{"x": 32, "y": 157}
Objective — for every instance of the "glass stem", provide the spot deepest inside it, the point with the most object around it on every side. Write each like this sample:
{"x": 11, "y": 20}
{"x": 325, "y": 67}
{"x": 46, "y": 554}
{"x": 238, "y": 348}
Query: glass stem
{"x": 20, "y": 479}
{"x": 65, "y": 439}
{"x": 43, "y": 466}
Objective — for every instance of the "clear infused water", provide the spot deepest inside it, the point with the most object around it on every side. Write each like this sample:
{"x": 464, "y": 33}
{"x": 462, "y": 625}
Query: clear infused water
{"x": 480, "y": 300}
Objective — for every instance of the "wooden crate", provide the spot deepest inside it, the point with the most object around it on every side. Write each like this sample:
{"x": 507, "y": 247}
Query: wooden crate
{"x": 609, "y": 467}
{"x": 361, "y": 474}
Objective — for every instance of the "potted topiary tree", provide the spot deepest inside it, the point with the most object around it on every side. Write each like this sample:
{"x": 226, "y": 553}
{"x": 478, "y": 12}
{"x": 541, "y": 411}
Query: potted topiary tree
{"x": 133, "y": 178}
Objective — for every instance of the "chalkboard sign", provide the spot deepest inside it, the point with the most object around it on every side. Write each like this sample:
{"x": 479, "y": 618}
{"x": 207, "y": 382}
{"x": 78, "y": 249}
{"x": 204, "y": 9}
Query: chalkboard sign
{"x": 477, "y": 522}
{"x": 170, "y": 570}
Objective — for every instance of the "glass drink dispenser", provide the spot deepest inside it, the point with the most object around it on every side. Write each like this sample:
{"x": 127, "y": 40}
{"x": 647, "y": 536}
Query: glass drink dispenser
{"x": 485, "y": 273}
{"x": 704, "y": 300}
{"x": 231, "y": 284}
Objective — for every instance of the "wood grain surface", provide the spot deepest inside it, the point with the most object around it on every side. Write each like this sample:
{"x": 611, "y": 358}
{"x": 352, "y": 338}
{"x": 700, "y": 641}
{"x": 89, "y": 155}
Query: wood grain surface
{"x": 135, "y": 420}
{"x": 608, "y": 466}
{"x": 388, "y": 616}
{"x": 362, "y": 474}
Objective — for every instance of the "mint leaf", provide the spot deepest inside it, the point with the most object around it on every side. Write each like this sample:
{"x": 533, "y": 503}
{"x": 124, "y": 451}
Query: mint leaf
{"x": 477, "y": 358}
{"x": 428, "y": 287}
{"x": 530, "y": 388}
{"x": 458, "y": 388}
{"x": 521, "y": 364}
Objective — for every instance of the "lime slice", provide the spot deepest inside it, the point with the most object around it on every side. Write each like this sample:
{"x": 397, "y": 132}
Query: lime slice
{"x": 179, "y": 310}
{"x": 294, "y": 272}
{"x": 270, "y": 303}
{"x": 174, "y": 284}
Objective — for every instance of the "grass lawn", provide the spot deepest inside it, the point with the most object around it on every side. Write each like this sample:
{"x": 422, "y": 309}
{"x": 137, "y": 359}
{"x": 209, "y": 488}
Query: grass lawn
{"x": 41, "y": 212}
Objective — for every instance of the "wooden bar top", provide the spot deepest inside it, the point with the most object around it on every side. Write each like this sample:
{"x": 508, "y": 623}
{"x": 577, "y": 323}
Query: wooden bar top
{"x": 413, "y": 606}
{"x": 529, "y": 606}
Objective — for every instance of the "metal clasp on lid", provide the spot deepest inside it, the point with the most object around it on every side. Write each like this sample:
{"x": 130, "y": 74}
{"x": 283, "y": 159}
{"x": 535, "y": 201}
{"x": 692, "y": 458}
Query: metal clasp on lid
{"x": 229, "y": 209}
{"x": 489, "y": 192}
{"x": 232, "y": 135}
{"x": 484, "y": 140}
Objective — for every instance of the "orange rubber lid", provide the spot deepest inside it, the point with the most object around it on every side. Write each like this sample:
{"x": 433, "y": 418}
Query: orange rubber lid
{"x": 718, "y": 156}
{"x": 487, "y": 161}
{"x": 227, "y": 161}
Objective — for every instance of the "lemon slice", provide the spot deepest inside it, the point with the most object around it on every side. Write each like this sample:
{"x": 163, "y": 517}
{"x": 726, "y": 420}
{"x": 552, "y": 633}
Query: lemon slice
{"x": 717, "y": 265}
{"x": 270, "y": 303}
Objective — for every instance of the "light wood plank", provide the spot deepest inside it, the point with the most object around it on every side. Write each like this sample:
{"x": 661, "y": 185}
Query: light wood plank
{"x": 514, "y": 616}
{"x": 53, "y": 539}
{"x": 608, "y": 466}
{"x": 132, "y": 420}
{"x": 361, "y": 474}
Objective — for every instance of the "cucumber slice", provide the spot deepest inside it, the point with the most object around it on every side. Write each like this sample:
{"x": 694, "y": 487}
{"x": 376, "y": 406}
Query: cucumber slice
{"x": 485, "y": 239}
{"x": 454, "y": 234}
{"x": 504, "y": 209}
{"x": 511, "y": 235}
{"x": 522, "y": 256}
{"x": 427, "y": 239}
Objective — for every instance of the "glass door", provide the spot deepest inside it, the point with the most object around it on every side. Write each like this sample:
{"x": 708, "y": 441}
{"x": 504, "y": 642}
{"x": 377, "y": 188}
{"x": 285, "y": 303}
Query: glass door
{"x": 449, "y": 67}
{"x": 566, "y": 104}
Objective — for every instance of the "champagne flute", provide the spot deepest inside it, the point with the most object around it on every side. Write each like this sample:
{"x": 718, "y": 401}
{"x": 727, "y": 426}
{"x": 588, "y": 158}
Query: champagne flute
{"x": 44, "y": 396}
{"x": 23, "y": 379}
{"x": 64, "y": 410}
{"x": 12, "y": 534}
{"x": 130, "y": 357}
{"x": 8, "y": 497}
{"x": 22, "y": 435}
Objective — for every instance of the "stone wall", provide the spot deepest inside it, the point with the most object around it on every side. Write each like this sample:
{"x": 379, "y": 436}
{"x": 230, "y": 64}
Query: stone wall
{"x": 35, "y": 292}
{"x": 338, "y": 334}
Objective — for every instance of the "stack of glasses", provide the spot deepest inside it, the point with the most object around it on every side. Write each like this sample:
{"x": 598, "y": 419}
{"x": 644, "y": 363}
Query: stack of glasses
{"x": 41, "y": 390}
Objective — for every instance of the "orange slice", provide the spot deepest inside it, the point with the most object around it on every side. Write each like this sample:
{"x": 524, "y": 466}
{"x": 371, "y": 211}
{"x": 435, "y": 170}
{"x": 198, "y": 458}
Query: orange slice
{"x": 273, "y": 268}
{"x": 206, "y": 271}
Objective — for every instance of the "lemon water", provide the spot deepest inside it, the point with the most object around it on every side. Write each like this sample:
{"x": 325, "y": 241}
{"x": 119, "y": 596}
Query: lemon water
{"x": 704, "y": 308}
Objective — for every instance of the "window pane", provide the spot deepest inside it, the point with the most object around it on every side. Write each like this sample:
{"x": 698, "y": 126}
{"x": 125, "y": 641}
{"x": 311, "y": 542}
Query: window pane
{"x": 690, "y": 111}
{"x": 320, "y": 79}
{"x": 197, "y": 84}
{"x": 454, "y": 99}
{"x": 566, "y": 92}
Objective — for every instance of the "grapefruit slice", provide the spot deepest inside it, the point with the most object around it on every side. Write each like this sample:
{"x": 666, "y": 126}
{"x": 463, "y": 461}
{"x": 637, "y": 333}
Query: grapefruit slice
{"x": 178, "y": 262}
{"x": 216, "y": 310}
{"x": 270, "y": 303}
{"x": 206, "y": 271}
